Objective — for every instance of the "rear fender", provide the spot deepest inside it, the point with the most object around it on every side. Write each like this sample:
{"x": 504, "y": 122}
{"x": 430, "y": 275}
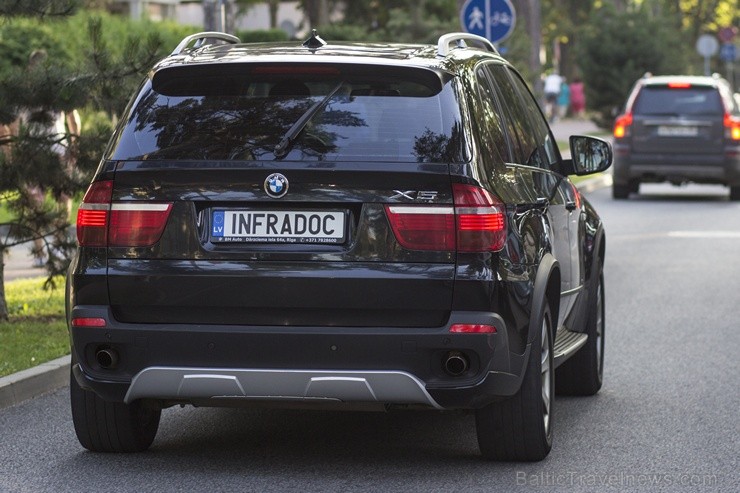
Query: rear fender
{"x": 546, "y": 290}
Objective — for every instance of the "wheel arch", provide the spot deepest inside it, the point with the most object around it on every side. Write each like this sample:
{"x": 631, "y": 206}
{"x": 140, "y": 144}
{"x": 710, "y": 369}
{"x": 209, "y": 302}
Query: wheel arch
{"x": 598, "y": 255}
{"x": 546, "y": 290}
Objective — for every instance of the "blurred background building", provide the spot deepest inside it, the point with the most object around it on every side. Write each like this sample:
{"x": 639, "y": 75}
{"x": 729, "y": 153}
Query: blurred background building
{"x": 290, "y": 18}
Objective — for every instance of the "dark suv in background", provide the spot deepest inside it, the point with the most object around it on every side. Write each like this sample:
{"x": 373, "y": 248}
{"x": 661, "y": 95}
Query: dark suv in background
{"x": 678, "y": 129}
{"x": 351, "y": 226}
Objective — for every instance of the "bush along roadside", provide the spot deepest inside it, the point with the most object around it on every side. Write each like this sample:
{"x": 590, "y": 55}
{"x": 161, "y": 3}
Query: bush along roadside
{"x": 37, "y": 330}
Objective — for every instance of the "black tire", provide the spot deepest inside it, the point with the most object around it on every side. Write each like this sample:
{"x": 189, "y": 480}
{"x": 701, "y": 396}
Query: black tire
{"x": 620, "y": 191}
{"x": 520, "y": 428}
{"x": 583, "y": 373}
{"x": 735, "y": 193}
{"x": 103, "y": 426}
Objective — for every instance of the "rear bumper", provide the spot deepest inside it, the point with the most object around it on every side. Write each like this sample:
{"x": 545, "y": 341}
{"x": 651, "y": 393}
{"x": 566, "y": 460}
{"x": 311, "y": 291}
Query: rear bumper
{"x": 721, "y": 168}
{"x": 244, "y": 365}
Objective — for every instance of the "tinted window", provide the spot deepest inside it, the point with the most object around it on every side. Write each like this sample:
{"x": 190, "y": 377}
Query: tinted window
{"x": 494, "y": 138}
{"x": 244, "y": 116}
{"x": 545, "y": 144}
{"x": 526, "y": 120}
{"x": 512, "y": 113}
{"x": 662, "y": 100}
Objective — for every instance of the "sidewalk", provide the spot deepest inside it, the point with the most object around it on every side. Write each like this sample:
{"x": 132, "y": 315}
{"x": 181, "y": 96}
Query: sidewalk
{"x": 19, "y": 263}
{"x": 565, "y": 127}
{"x": 50, "y": 376}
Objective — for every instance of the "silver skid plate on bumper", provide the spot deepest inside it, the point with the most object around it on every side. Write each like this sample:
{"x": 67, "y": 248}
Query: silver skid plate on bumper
{"x": 392, "y": 387}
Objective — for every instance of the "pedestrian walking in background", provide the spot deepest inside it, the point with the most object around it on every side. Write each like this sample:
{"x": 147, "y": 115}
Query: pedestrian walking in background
{"x": 552, "y": 90}
{"x": 564, "y": 99}
{"x": 577, "y": 98}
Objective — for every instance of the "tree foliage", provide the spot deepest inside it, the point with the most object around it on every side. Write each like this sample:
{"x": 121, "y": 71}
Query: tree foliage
{"x": 42, "y": 163}
{"x": 616, "y": 49}
{"x": 94, "y": 62}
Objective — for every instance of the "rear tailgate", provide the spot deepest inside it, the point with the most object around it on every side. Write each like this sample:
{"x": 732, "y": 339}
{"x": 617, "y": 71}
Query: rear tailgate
{"x": 280, "y": 275}
{"x": 697, "y": 135}
{"x": 684, "y": 119}
{"x": 278, "y": 175}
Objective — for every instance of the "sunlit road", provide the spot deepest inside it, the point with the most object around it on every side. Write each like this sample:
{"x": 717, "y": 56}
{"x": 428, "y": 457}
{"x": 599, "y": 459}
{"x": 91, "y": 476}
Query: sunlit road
{"x": 666, "y": 420}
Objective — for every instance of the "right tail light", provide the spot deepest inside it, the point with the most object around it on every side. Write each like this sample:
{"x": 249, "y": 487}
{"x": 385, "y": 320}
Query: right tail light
{"x": 103, "y": 223}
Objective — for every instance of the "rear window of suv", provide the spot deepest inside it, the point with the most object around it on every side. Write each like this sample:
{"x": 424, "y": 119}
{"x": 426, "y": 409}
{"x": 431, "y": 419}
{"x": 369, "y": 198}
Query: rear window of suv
{"x": 665, "y": 100}
{"x": 244, "y": 114}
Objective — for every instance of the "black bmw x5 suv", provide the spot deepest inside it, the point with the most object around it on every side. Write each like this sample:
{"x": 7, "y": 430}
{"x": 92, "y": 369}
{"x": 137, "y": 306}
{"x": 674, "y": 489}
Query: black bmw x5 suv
{"x": 348, "y": 226}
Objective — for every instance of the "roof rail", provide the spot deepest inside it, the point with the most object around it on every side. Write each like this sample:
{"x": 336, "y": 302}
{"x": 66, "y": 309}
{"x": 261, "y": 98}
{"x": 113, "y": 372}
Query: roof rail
{"x": 459, "y": 39}
{"x": 201, "y": 38}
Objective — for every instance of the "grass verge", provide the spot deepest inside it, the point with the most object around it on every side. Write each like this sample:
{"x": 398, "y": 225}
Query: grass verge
{"x": 37, "y": 330}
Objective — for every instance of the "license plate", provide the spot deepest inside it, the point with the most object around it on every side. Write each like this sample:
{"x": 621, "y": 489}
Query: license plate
{"x": 672, "y": 131}
{"x": 264, "y": 226}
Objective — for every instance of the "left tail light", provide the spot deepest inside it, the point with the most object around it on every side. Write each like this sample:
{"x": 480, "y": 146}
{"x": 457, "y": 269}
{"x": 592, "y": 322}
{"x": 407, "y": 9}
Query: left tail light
{"x": 102, "y": 222}
{"x": 622, "y": 125}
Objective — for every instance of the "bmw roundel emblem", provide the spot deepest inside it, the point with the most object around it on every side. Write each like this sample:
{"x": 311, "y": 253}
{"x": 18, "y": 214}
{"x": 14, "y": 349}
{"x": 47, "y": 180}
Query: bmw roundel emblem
{"x": 276, "y": 185}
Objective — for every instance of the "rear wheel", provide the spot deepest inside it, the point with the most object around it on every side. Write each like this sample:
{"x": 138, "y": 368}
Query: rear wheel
{"x": 103, "y": 426}
{"x": 583, "y": 373}
{"x": 735, "y": 193}
{"x": 520, "y": 428}
{"x": 620, "y": 191}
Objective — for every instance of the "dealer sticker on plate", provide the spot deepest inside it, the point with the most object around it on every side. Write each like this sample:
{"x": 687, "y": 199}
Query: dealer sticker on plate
{"x": 262, "y": 226}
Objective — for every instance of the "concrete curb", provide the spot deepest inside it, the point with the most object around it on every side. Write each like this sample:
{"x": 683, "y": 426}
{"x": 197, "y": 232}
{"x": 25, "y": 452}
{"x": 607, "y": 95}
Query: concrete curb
{"x": 592, "y": 184}
{"x": 33, "y": 382}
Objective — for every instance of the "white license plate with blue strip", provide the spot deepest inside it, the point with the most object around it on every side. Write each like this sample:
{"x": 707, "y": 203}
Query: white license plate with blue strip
{"x": 676, "y": 131}
{"x": 264, "y": 226}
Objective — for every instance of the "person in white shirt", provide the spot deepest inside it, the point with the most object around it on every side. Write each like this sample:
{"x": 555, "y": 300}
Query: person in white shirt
{"x": 552, "y": 89}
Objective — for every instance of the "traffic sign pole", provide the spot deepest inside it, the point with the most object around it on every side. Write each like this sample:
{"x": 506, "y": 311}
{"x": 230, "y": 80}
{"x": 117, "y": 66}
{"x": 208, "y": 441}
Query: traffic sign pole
{"x": 707, "y": 46}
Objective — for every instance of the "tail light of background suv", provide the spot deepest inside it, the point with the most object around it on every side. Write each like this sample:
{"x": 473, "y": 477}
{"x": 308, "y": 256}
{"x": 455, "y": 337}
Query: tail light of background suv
{"x": 102, "y": 222}
{"x": 732, "y": 127}
{"x": 622, "y": 125}
{"x": 475, "y": 223}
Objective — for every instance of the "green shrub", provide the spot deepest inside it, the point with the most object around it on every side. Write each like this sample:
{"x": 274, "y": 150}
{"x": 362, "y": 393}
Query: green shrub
{"x": 37, "y": 330}
{"x": 262, "y": 35}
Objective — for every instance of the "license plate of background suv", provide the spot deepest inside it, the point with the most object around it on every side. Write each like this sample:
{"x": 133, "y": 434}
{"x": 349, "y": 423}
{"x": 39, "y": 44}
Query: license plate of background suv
{"x": 673, "y": 131}
{"x": 265, "y": 226}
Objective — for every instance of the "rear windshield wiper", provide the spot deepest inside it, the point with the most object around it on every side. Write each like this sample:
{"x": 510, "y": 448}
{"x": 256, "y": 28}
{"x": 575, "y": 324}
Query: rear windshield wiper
{"x": 283, "y": 147}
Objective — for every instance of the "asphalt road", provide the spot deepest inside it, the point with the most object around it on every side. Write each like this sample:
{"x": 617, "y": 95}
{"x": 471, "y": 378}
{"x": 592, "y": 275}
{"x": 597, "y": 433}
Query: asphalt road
{"x": 665, "y": 421}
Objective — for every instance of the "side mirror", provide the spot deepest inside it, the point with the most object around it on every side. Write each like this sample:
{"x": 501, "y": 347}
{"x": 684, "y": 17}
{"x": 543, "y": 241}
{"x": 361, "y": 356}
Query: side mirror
{"x": 588, "y": 155}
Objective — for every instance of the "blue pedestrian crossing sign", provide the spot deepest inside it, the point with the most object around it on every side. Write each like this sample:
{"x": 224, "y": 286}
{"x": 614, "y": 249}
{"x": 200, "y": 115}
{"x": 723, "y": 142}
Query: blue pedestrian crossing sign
{"x": 492, "y": 19}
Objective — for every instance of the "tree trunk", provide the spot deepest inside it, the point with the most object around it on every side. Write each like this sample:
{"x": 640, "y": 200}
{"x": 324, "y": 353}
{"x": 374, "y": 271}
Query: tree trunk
{"x": 218, "y": 15}
{"x": 3, "y": 303}
{"x": 620, "y": 5}
{"x": 531, "y": 12}
{"x": 317, "y": 12}
{"x": 210, "y": 15}
{"x": 273, "y": 5}
{"x": 417, "y": 20}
